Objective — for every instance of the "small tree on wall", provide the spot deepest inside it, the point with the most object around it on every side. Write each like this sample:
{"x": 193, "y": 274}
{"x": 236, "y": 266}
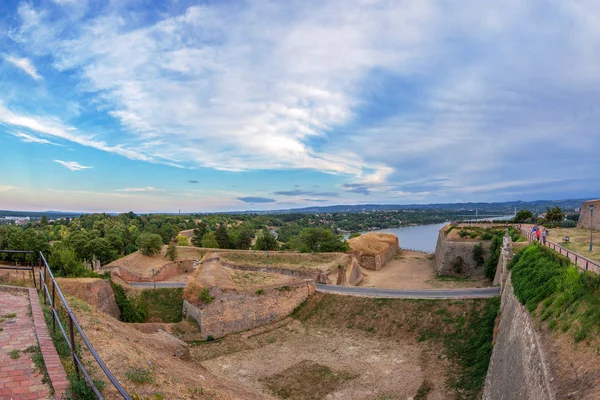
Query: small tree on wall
{"x": 478, "y": 254}
{"x": 172, "y": 251}
{"x": 150, "y": 243}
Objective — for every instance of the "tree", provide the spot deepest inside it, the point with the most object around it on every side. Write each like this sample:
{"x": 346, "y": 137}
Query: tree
{"x": 478, "y": 254}
{"x": 199, "y": 232}
{"x": 319, "y": 240}
{"x": 555, "y": 214}
{"x": 63, "y": 261}
{"x": 266, "y": 241}
{"x": 244, "y": 240}
{"x": 172, "y": 251}
{"x": 150, "y": 243}
{"x": 44, "y": 220}
{"x": 222, "y": 237}
{"x": 523, "y": 216}
{"x": 182, "y": 240}
{"x": 353, "y": 235}
{"x": 100, "y": 248}
{"x": 209, "y": 241}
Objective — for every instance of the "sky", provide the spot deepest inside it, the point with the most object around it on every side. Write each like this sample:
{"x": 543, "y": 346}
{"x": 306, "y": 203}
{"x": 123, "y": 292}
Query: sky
{"x": 160, "y": 106}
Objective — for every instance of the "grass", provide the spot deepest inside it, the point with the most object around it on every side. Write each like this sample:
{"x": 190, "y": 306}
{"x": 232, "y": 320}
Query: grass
{"x": 140, "y": 374}
{"x": 557, "y": 291}
{"x": 306, "y": 380}
{"x": 579, "y": 241}
{"x": 453, "y": 278}
{"x": 9, "y": 316}
{"x": 14, "y": 354}
{"x": 244, "y": 278}
{"x": 328, "y": 261}
{"x": 164, "y": 304}
{"x": 424, "y": 390}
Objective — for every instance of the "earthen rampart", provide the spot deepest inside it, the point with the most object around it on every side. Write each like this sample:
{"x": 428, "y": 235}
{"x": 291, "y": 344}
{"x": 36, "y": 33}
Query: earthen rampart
{"x": 365, "y": 249}
{"x": 232, "y": 311}
{"x": 165, "y": 273}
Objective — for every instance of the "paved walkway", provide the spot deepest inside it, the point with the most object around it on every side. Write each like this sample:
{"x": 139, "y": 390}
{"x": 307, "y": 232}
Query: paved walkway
{"x": 410, "y": 294}
{"x": 19, "y": 378}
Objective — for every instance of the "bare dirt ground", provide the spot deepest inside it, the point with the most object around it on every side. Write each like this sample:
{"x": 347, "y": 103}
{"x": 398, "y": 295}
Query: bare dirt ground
{"x": 381, "y": 354}
{"x": 415, "y": 270}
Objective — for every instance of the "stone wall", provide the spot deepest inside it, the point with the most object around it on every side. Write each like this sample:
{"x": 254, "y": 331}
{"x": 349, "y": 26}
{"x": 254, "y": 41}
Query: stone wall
{"x": 518, "y": 368}
{"x": 377, "y": 261}
{"x": 448, "y": 252}
{"x": 584, "y": 215}
{"x": 94, "y": 291}
{"x": 234, "y": 311}
{"x": 506, "y": 255}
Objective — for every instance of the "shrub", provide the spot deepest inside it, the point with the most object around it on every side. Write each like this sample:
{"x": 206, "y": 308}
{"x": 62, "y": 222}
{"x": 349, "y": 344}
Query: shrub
{"x": 260, "y": 292}
{"x": 458, "y": 265}
{"x": 182, "y": 240}
{"x": 141, "y": 374}
{"x": 131, "y": 308}
{"x": 205, "y": 296}
{"x": 478, "y": 254}
{"x": 490, "y": 265}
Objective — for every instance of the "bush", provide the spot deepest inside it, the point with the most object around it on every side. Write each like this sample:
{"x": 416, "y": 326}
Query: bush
{"x": 458, "y": 265}
{"x": 489, "y": 268}
{"x": 567, "y": 224}
{"x": 150, "y": 243}
{"x": 478, "y": 254}
{"x": 131, "y": 308}
{"x": 205, "y": 296}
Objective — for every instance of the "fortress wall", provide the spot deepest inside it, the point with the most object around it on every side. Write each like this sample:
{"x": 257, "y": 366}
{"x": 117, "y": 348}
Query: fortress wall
{"x": 447, "y": 252}
{"x": 584, "y": 215}
{"x": 232, "y": 311}
{"x": 518, "y": 369}
{"x": 377, "y": 261}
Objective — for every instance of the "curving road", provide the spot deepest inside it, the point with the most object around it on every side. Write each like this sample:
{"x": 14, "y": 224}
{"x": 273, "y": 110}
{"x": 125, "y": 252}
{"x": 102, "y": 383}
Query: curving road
{"x": 410, "y": 294}
{"x": 158, "y": 284}
{"x": 375, "y": 292}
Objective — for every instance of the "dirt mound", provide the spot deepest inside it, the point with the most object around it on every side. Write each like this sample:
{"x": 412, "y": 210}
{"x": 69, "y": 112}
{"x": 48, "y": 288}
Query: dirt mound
{"x": 94, "y": 291}
{"x": 142, "y": 265}
{"x": 131, "y": 354}
{"x": 373, "y": 243}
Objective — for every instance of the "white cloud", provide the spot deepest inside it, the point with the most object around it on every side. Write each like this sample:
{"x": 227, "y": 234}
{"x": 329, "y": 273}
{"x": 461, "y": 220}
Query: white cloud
{"x": 32, "y": 139}
{"x": 25, "y": 65}
{"x": 72, "y": 165}
{"x": 148, "y": 189}
{"x": 7, "y": 188}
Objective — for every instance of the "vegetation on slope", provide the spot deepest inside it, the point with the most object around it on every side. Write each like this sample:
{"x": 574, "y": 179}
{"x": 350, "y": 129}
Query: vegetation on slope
{"x": 564, "y": 296}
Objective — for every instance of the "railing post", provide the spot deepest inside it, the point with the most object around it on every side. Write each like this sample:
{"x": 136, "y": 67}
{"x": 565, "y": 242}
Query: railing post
{"x": 44, "y": 286}
{"x": 73, "y": 344}
{"x": 53, "y": 307}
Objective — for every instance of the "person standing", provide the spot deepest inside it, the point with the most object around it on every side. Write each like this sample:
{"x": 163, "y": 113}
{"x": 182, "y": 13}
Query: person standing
{"x": 538, "y": 234}
{"x": 544, "y": 234}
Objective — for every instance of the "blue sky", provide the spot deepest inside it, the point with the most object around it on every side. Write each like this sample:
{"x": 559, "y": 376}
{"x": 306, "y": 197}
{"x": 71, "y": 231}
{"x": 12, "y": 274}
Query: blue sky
{"x": 147, "y": 106}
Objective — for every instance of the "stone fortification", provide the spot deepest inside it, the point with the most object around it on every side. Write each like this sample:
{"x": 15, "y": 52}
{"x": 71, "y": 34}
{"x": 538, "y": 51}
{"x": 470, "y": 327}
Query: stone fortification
{"x": 456, "y": 257}
{"x": 374, "y": 250}
{"x": 94, "y": 291}
{"x": 585, "y": 218}
{"x": 506, "y": 255}
{"x": 518, "y": 367}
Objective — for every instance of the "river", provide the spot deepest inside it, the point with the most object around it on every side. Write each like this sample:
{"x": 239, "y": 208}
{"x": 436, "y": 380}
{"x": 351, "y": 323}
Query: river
{"x": 422, "y": 237}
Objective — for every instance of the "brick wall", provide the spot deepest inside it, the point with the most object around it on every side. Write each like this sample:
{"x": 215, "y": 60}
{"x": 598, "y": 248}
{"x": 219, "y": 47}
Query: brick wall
{"x": 447, "y": 252}
{"x": 234, "y": 311}
{"x": 584, "y": 215}
{"x": 377, "y": 261}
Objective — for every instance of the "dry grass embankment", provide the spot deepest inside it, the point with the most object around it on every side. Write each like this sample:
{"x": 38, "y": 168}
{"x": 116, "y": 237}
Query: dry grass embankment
{"x": 373, "y": 243}
{"x": 143, "y": 265}
{"x": 579, "y": 241}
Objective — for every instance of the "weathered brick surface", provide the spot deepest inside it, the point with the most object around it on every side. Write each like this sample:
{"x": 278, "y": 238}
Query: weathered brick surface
{"x": 19, "y": 378}
{"x": 234, "y": 311}
{"x": 518, "y": 369}
{"x": 379, "y": 260}
{"x": 585, "y": 219}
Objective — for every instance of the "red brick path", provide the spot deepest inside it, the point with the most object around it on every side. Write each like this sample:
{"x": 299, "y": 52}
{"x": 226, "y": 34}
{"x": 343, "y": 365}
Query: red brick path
{"x": 56, "y": 372}
{"x": 19, "y": 378}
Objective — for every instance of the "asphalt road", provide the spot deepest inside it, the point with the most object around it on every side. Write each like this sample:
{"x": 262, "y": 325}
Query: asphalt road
{"x": 410, "y": 294}
{"x": 158, "y": 284}
{"x": 374, "y": 292}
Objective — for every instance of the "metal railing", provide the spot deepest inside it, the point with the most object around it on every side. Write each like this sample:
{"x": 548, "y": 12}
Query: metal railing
{"x": 577, "y": 259}
{"x": 45, "y": 274}
{"x": 30, "y": 267}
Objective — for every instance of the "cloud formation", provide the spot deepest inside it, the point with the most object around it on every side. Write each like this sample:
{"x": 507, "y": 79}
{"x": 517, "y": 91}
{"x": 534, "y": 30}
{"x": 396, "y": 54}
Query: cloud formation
{"x": 72, "y": 165}
{"x": 25, "y": 65}
{"x": 250, "y": 199}
{"x": 298, "y": 192}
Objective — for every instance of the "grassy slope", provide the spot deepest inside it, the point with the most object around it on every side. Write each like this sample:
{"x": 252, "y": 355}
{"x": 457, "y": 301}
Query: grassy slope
{"x": 565, "y": 297}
